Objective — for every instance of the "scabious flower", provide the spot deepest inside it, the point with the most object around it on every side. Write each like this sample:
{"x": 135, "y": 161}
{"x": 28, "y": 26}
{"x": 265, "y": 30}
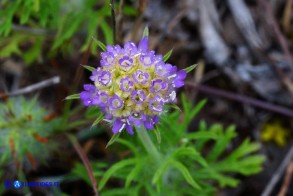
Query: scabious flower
{"x": 132, "y": 86}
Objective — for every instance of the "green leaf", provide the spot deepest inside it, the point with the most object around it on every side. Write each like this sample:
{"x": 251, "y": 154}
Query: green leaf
{"x": 113, "y": 139}
{"x": 74, "y": 96}
{"x": 100, "y": 117}
{"x": 245, "y": 148}
{"x": 159, "y": 173}
{"x": 186, "y": 174}
{"x": 145, "y": 32}
{"x": 189, "y": 152}
{"x": 202, "y": 135}
{"x": 114, "y": 168}
{"x": 174, "y": 106}
{"x": 158, "y": 135}
{"x": 90, "y": 68}
{"x": 68, "y": 27}
{"x": 190, "y": 68}
{"x": 221, "y": 143}
{"x": 107, "y": 32}
{"x": 92, "y": 112}
{"x": 128, "y": 144}
{"x": 34, "y": 52}
{"x": 100, "y": 44}
{"x": 134, "y": 173}
{"x": 167, "y": 56}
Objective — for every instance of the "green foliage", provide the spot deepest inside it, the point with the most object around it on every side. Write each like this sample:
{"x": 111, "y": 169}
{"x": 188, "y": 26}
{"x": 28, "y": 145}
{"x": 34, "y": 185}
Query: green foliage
{"x": 191, "y": 163}
{"x": 25, "y": 131}
{"x": 26, "y": 26}
{"x": 167, "y": 55}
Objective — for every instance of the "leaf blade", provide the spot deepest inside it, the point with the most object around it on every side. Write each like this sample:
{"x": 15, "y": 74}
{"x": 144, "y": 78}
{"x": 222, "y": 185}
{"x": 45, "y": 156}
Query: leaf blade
{"x": 190, "y": 68}
{"x": 167, "y": 55}
{"x": 100, "y": 44}
{"x": 74, "y": 96}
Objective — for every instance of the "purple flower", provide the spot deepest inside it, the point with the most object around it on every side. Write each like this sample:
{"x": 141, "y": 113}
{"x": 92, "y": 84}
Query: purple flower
{"x": 105, "y": 78}
{"x": 170, "y": 96}
{"x": 102, "y": 99}
{"x": 115, "y": 50}
{"x": 119, "y": 125}
{"x": 138, "y": 96}
{"x": 137, "y": 118}
{"x": 151, "y": 121}
{"x": 164, "y": 70}
{"x": 140, "y": 77}
{"x": 107, "y": 59}
{"x": 132, "y": 85}
{"x": 130, "y": 48}
{"x": 126, "y": 85}
{"x": 143, "y": 45}
{"x": 158, "y": 85}
{"x": 147, "y": 59}
{"x": 156, "y": 104}
{"x": 90, "y": 95}
{"x": 95, "y": 74}
{"x": 116, "y": 102}
{"x": 179, "y": 79}
{"x": 126, "y": 62}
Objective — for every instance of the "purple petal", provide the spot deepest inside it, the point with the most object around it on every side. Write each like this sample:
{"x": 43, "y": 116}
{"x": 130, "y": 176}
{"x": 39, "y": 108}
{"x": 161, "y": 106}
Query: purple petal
{"x": 143, "y": 45}
{"x": 149, "y": 124}
{"x": 89, "y": 87}
{"x": 118, "y": 126}
{"x": 178, "y": 83}
{"x": 126, "y": 62}
{"x": 181, "y": 74}
{"x": 156, "y": 104}
{"x": 107, "y": 59}
{"x": 108, "y": 116}
{"x": 137, "y": 118}
{"x": 147, "y": 59}
{"x": 158, "y": 85}
{"x": 130, "y": 48}
{"x": 138, "y": 96}
{"x": 105, "y": 78}
{"x": 116, "y": 102}
{"x": 129, "y": 129}
{"x": 126, "y": 85}
{"x": 140, "y": 77}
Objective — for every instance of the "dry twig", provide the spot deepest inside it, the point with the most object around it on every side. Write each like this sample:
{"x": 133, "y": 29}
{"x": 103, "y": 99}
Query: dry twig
{"x": 33, "y": 87}
{"x": 276, "y": 177}
{"x": 242, "y": 99}
{"x": 287, "y": 180}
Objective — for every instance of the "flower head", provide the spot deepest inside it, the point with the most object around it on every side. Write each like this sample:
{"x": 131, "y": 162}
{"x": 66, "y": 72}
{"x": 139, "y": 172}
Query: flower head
{"x": 132, "y": 86}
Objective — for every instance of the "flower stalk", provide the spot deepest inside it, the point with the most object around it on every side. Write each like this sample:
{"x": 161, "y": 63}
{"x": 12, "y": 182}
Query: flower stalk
{"x": 148, "y": 143}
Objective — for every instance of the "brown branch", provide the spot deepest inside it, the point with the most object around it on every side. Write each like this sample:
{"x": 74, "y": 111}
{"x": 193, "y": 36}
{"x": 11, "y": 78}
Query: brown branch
{"x": 33, "y": 87}
{"x": 287, "y": 180}
{"x": 276, "y": 176}
{"x": 242, "y": 99}
{"x": 113, "y": 18}
{"x": 119, "y": 19}
{"x": 85, "y": 161}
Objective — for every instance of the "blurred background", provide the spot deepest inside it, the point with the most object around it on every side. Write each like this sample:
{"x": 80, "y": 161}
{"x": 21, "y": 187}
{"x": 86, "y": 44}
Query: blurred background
{"x": 243, "y": 49}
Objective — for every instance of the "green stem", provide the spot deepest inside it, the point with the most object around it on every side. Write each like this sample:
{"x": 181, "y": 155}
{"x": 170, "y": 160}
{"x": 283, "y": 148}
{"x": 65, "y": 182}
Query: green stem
{"x": 148, "y": 143}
